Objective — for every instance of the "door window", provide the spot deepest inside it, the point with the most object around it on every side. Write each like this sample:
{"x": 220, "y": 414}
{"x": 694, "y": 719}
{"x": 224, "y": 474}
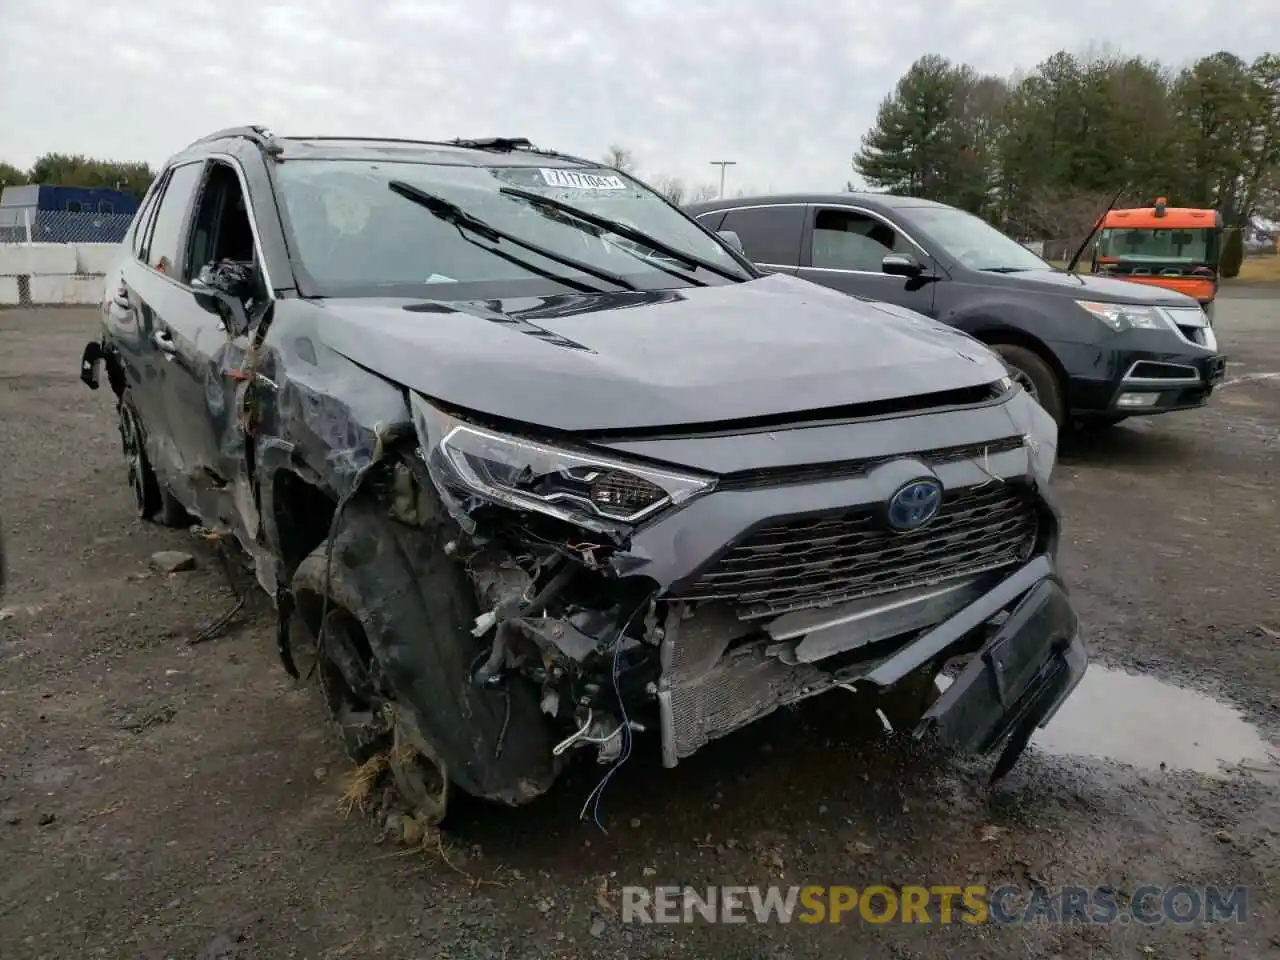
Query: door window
{"x": 163, "y": 251}
{"x": 768, "y": 234}
{"x": 221, "y": 229}
{"x": 846, "y": 240}
{"x": 142, "y": 220}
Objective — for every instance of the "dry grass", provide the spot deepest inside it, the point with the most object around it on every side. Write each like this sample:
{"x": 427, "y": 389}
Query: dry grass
{"x": 1259, "y": 270}
{"x": 360, "y": 783}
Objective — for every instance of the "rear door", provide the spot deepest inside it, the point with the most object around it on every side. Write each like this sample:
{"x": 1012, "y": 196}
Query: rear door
{"x": 122, "y": 318}
{"x": 844, "y": 249}
{"x": 770, "y": 234}
{"x": 205, "y": 388}
{"x": 157, "y": 295}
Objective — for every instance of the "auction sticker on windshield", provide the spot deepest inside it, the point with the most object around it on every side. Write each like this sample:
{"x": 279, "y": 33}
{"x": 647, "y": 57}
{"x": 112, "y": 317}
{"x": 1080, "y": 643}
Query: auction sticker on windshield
{"x": 581, "y": 181}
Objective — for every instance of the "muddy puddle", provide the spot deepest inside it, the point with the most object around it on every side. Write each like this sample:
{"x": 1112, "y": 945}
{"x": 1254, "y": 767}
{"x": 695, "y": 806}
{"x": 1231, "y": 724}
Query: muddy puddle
{"x": 1150, "y": 724}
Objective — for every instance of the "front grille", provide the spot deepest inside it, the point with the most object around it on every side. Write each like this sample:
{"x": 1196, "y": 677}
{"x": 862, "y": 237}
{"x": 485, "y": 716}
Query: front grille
{"x": 818, "y": 561}
{"x": 847, "y": 469}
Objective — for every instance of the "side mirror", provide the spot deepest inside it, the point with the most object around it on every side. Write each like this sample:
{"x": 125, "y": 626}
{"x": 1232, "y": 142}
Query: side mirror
{"x": 732, "y": 239}
{"x": 901, "y": 265}
{"x": 222, "y": 288}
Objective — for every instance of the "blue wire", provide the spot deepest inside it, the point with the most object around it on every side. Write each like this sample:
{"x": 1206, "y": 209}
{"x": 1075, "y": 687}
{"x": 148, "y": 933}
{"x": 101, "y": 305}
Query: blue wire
{"x": 598, "y": 792}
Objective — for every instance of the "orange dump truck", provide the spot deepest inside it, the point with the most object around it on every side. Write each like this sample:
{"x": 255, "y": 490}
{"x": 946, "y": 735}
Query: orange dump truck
{"x": 1173, "y": 247}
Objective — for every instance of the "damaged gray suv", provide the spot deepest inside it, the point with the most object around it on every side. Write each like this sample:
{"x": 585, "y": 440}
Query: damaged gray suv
{"x": 534, "y": 465}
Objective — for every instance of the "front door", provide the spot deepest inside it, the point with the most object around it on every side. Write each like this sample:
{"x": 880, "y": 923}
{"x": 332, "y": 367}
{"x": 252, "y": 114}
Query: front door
{"x": 845, "y": 249}
{"x": 208, "y": 352}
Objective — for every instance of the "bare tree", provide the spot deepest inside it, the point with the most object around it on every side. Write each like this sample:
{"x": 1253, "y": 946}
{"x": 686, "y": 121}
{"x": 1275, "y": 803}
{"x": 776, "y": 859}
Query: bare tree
{"x": 620, "y": 158}
{"x": 703, "y": 192}
{"x": 1061, "y": 218}
{"x": 672, "y": 188}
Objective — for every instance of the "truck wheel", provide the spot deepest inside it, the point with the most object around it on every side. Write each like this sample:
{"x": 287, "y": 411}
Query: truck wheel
{"x": 396, "y": 666}
{"x": 1035, "y": 376}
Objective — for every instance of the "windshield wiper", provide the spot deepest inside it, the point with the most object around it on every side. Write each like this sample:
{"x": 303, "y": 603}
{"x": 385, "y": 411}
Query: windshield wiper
{"x": 623, "y": 230}
{"x": 1005, "y": 269}
{"x": 452, "y": 213}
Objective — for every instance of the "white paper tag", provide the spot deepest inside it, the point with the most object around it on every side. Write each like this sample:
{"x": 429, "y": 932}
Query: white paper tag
{"x": 576, "y": 180}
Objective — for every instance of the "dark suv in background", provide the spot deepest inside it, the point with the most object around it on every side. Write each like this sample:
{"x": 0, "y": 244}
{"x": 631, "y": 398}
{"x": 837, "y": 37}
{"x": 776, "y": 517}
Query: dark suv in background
{"x": 1090, "y": 349}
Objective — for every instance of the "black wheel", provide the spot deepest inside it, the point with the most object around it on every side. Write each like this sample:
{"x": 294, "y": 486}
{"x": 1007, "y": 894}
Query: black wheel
{"x": 150, "y": 497}
{"x": 396, "y": 664}
{"x": 1035, "y": 376}
{"x": 142, "y": 479}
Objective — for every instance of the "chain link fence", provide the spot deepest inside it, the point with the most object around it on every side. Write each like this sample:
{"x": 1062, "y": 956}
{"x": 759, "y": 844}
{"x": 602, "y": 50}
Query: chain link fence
{"x": 27, "y": 225}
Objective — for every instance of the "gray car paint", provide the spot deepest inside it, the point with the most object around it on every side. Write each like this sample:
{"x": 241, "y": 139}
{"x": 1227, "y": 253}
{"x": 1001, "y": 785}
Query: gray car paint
{"x": 771, "y": 346}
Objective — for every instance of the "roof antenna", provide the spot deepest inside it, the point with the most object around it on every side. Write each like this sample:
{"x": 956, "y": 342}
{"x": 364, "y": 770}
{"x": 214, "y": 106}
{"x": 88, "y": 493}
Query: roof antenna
{"x": 1075, "y": 259}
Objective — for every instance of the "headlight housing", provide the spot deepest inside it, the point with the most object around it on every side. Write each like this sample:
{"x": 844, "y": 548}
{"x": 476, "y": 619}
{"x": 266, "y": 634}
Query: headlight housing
{"x": 1128, "y": 316}
{"x": 592, "y": 491}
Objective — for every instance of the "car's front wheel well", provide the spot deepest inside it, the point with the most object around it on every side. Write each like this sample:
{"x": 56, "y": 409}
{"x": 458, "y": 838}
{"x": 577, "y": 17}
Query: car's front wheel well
{"x": 994, "y": 337}
{"x": 302, "y": 514}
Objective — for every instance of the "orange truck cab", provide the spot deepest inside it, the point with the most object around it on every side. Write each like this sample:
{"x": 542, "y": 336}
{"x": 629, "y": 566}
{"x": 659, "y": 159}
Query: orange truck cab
{"x": 1173, "y": 247}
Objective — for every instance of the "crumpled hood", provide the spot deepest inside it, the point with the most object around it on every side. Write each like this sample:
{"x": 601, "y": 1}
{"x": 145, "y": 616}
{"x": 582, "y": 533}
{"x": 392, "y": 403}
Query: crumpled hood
{"x": 643, "y": 359}
{"x": 1092, "y": 287}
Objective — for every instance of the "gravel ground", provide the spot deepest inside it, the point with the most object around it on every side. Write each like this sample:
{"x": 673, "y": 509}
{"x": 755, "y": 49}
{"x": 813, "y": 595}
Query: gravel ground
{"x": 163, "y": 799}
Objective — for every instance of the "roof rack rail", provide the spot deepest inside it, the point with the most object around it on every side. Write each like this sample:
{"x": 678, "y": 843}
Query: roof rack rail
{"x": 255, "y": 133}
{"x": 503, "y": 144}
{"x": 356, "y": 139}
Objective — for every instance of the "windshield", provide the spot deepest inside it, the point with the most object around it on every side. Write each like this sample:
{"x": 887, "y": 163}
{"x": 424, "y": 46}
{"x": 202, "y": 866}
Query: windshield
{"x": 1157, "y": 245}
{"x": 974, "y": 242}
{"x": 355, "y": 236}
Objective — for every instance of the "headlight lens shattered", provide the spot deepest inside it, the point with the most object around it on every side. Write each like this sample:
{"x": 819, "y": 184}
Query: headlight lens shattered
{"x": 523, "y": 474}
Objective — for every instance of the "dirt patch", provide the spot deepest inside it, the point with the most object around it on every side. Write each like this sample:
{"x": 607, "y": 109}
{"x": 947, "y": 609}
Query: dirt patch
{"x": 159, "y": 798}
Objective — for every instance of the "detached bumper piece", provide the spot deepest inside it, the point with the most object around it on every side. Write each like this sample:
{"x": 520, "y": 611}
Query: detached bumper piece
{"x": 1016, "y": 682}
{"x": 1020, "y": 631}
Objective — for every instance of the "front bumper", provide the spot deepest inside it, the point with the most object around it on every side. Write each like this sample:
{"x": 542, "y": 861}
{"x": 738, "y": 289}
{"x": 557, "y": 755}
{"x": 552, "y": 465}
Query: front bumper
{"x": 1144, "y": 372}
{"x": 1018, "y": 680}
{"x": 1021, "y": 634}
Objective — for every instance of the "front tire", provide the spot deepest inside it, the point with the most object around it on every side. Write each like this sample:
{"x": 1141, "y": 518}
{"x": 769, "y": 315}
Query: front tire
{"x": 1034, "y": 375}
{"x": 401, "y": 677}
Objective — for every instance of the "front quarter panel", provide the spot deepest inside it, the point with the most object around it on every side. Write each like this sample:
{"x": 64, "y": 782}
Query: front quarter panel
{"x": 325, "y": 413}
{"x": 981, "y": 312}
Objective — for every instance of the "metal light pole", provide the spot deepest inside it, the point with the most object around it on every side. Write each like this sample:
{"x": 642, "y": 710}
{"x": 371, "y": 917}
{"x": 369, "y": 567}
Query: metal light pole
{"x": 722, "y": 164}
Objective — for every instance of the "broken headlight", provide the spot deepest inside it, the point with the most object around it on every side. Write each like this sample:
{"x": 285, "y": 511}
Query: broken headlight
{"x": 587, "y": 489}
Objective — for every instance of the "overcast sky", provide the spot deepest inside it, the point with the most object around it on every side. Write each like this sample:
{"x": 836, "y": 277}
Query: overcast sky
{"x": 785, "y": 88}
